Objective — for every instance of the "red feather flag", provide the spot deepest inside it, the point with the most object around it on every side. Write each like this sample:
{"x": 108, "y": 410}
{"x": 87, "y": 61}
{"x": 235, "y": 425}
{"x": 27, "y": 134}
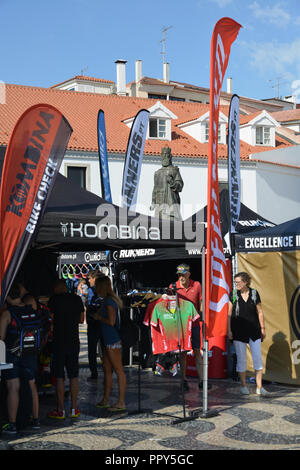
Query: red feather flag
{"x": 217, "y": 288}
{"x": 33, "y": 157}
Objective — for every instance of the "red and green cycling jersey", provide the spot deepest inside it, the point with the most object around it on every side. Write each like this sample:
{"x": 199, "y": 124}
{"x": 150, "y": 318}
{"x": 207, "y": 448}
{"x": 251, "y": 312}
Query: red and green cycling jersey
{"x": 164, "y": 320}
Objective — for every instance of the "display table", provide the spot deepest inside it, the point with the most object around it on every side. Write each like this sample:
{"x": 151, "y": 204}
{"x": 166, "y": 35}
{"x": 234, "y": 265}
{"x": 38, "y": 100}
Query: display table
{"x": 5, "y": 366}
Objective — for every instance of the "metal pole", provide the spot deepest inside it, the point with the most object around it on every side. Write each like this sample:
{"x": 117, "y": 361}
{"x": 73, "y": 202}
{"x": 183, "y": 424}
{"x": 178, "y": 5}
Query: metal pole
{"x": 234, "y": 264}
{"x": 131, "y": 349}
{"x": 205, "y": 342}
{"x": 185, "y": 418}
{"x": 179, "y": 347}
{"x": 206, "y": 413}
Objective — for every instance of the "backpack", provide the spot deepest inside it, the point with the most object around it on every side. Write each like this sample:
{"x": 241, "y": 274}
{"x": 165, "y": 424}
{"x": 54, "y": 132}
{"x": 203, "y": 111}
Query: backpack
{"x": 128, "y": 332}
{"x": 234, "y": 299}
{"x": 24, "y": 335}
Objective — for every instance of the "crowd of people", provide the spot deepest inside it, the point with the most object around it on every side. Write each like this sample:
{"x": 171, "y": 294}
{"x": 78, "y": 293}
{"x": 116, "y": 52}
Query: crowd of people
{"x": 25, "y": 325}
{"x": 24, "y": 330}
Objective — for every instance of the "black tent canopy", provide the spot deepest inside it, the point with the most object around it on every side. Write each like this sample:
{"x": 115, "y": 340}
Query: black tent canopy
{"x": 282, "y": 237}
{"x": 78, "y": 220}
{"x": 248, "y": 221}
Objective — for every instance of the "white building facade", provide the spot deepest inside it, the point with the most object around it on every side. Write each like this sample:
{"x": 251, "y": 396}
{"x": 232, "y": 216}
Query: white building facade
{"x": 272, "y": 190}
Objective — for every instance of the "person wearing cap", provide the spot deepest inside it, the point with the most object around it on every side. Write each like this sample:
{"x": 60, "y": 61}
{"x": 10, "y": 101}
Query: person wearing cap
{"x": 191, "y": 290}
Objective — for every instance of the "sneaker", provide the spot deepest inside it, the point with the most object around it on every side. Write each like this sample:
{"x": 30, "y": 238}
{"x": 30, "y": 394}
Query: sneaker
{"x": 186, "y": 386}
{"x": 9, "y": 428}
{"x": 244, "y": 391}
{"x": 35, "y": 423}
{"x": 55, "y": 414}
{"x": 200, "y": 385}
{"x": 74, "y": 413}
{"x": 159, "y": 370}
{"x": 174, "y": 370}
{"x": 261, "y": 391}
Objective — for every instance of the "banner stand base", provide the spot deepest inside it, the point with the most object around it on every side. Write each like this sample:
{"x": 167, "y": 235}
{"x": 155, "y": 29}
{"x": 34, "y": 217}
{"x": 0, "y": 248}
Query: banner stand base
{"x": 140, "y": 411}
{"x": 183, "y": 420}
{"x": 204, "y": 414}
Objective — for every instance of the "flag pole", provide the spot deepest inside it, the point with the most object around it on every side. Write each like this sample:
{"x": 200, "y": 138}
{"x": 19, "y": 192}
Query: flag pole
{"x": 179, "y": 326}
{"x": 206, "y": 413}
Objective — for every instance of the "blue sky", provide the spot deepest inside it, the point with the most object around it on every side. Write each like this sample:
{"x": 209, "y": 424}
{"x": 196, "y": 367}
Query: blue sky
{"x": 44, "y": 43}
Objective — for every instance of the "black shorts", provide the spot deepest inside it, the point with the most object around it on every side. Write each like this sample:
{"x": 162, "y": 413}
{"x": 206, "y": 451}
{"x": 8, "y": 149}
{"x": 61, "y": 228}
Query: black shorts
{"x": 196, "y": 337}
{"x": 65, "y": 359}
{"x": 23, "y": 367}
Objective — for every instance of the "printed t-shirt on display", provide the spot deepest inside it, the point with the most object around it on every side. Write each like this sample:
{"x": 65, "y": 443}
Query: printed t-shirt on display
{"x": 155, "y": 331}
{"x": 164, "y": 318}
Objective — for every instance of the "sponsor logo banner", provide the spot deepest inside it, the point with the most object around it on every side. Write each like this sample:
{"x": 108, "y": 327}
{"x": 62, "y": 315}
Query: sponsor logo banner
{"x": 103, "y": 160}
{"x": 234, "y": 179}
{"x": 94, "y": 257}
{"x": 133, "y": 159}
{"x": 104, "y": 231}
{"x": 140, "y": 252}
{"x": 32, "y": 160}
{"x": 274, "y": 243}
{"x": 217, "y": 289}
{"x": 255, "y": 223}
{"x": 113, "y": 223}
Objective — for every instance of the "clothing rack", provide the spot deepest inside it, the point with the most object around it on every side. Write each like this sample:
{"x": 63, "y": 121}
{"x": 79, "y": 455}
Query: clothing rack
{"x": 143, "y": 291}
{"x": 78, "y": 270}
{"x": 140, "y": 410}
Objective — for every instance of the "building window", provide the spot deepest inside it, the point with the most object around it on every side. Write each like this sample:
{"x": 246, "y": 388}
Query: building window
{"x": 176, "y": 98}
{"x": 157, "y": 97}
{"x": 77, "y": 174}
{"x": 157, "y": 128}
{"x": 206, "y": 136}
{"x": 263, "y": 135}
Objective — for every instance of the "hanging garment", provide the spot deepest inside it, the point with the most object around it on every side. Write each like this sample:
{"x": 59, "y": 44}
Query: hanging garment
{"x": 165, "y": 333}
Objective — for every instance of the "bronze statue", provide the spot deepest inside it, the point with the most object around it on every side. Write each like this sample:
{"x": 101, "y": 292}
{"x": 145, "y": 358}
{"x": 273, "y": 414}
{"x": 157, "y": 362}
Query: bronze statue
{"x": 167, "y": 186}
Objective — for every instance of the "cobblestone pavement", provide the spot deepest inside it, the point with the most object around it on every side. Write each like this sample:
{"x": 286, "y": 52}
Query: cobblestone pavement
{"x": 240, "y": 422}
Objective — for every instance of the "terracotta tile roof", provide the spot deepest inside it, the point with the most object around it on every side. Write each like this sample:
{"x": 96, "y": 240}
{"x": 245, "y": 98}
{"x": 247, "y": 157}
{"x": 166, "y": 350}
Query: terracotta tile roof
{"x": 249, "y": 104}
{"x": 81, "y": 110}
{"x": 249, "y": 117}
{"x": 253, "y": 102}
{"x": 290, "y": 135}
{"x": 154, "y": 81}
{"x": 85, "y": 78}
{"x": 287, "y": 115}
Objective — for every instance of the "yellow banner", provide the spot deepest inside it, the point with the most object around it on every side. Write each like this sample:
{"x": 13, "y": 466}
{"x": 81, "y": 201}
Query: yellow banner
{"x": 276, "y": 276}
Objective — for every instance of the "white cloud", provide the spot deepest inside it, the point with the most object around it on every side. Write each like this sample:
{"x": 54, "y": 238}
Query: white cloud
{"x": 273, "y": 61}
{"x": 296, "y": 89}
{"x": 275, "y": 57}
{"x": 275, "y": 14}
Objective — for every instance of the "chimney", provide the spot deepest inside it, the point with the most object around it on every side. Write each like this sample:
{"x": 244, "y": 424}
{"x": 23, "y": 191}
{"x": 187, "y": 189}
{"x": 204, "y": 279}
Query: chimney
{"x": 121, "y": 77}
{"x": 229, "y": 85}
{"x": 166, "y": 71}
{"x": 138, "y": 70}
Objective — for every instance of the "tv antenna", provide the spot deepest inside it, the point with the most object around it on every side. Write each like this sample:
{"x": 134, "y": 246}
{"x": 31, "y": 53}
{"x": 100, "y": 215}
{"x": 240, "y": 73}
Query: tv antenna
{"x": 163, "y": 42}
{"x": 277, "y": 85}
{"x": 83, "y": 70}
